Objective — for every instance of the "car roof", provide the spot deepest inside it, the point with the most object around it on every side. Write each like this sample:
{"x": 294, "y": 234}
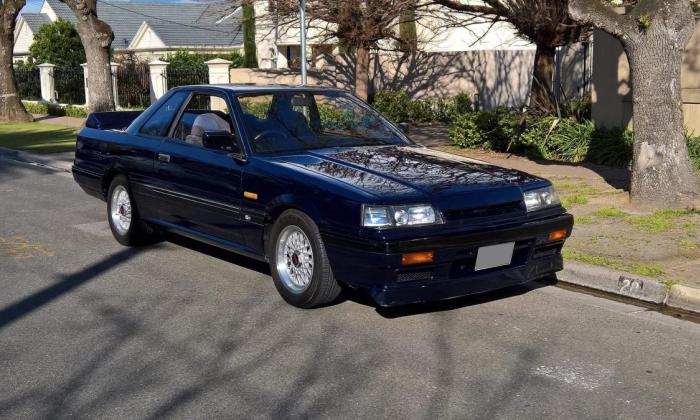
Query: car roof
{"x": 251, "y": 87}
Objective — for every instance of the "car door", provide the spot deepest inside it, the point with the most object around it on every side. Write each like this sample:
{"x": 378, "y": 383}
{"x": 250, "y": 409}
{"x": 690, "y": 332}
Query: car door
{"x": 140, "y": 153}
{"x": 201, "y": 186}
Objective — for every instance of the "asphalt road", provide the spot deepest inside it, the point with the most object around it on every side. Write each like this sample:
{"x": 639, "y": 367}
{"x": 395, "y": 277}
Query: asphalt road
{"x": 90, "y": 329}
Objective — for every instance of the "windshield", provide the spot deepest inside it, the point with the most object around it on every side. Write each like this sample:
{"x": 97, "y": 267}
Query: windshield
{"x": 283, "y": 121}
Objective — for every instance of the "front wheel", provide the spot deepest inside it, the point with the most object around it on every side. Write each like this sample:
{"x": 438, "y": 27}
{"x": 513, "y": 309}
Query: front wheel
{"x": 128, "y": 229}
{"x": 299, "y": 264}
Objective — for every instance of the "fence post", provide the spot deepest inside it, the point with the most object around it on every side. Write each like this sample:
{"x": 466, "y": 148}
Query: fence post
{"x": 85, "y": 83}
{"x": 46, "y": 80}
{"x": 218, "y": 71}
{"x": 218, "y": 74}
{"x": 114, "y": 68}
{"x": 159, "y": 81}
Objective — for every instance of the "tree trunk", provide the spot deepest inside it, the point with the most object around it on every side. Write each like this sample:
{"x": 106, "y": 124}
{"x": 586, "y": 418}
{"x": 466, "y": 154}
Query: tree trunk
{"x": 541, "y": 96}
{"x": 11, "y": 108}
{"x": 661, "y": 169}
{"x": 96, "y": 36}
{"x": 654, "y": 34}
{"x": 250, "y": 54}
{"x": 362, "y": 73}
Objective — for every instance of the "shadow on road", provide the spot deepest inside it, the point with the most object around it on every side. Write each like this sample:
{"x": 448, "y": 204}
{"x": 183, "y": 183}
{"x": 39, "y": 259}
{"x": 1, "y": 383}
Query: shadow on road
{"x": 219, "y": 253}
{"x": 23, "y": 307}
{"x": 450, "y": 304}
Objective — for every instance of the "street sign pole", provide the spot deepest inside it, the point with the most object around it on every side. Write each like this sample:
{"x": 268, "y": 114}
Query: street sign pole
{"x": 302, "y": 19}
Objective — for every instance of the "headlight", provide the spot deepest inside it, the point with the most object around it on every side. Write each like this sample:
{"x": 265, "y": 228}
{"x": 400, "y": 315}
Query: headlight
{"x": 396, "y": 216}
{"x": 541, "y": 198}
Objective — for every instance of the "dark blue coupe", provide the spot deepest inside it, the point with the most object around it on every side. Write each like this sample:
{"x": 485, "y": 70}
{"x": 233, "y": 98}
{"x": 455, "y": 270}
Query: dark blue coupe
{"x": 325, "y": 189}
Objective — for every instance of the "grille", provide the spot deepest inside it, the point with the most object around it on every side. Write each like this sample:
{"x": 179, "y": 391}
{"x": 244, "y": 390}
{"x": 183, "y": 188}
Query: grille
{"x": 547, "y": 251}
{"x": 414, "y": 276}
{"x": 505, "y": 210}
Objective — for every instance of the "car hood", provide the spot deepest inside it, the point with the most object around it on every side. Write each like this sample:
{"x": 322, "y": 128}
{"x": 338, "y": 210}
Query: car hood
{"x": 398, "y": 171}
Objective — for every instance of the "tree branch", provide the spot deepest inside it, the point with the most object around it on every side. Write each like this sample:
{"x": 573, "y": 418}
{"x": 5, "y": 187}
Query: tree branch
{"x": 600, "y": 15}
{"x": 468, "y": 8}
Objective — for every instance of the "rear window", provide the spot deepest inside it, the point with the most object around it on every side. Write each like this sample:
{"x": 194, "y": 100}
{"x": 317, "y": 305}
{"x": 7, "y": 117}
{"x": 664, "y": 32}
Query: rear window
{"x": 159, "y": 123}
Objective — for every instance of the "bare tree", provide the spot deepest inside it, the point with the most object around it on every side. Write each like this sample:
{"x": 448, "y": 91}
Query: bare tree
{"x": 654, "y": 34}
{"x": 96, "y": 36}
{"x": 11, "y": 108}
{"x": 357, "y": 25}
{"x": 546, "y": 23}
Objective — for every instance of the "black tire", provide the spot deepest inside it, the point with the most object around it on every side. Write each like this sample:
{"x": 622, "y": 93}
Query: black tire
{"x": 323, "y": 289}
{"x": 138, "y": 232}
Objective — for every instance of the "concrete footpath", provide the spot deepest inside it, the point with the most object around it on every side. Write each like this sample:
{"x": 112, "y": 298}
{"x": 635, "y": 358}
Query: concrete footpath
{"x": 53, "y": 119}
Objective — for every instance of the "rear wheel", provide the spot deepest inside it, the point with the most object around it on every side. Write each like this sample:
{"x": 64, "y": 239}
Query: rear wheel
{"x": 299, "y": 264}
{"x": 124, "y": 221}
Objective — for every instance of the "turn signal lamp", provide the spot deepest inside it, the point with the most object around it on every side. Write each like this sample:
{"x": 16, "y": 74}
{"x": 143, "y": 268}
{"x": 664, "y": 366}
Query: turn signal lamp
{"x": 557, "y": 235}
{"x": 417, "y": 258}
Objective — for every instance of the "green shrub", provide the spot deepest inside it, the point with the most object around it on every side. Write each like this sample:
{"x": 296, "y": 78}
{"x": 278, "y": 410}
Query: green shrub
{"x": 57, "y": 110}
{"x": 462, "y": 103}
{"x": 611, "y": 147}
{"x": 183, "y": 59}
{"x": 36, "y": 107}
{"x": 550, "y": 138}
{"x": 394, "y": 105}
{"x": 694, "y": 149}
{"x": 398, "y": 107}
{"x": 75, "y": 111}
{"x": 559, "y": 139}
{"x": 495, "y": 130}
{"x": 578, "y": 107}
{"x": 465, "y": 132}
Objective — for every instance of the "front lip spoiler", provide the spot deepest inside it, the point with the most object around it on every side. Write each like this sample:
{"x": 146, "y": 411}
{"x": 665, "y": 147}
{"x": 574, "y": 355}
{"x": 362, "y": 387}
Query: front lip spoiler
{"x": 538, "y": 229}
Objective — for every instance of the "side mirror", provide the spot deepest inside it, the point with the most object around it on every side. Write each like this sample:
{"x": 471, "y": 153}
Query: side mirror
{"x": 221, "y": 140}
{"x": 403, "y": 127}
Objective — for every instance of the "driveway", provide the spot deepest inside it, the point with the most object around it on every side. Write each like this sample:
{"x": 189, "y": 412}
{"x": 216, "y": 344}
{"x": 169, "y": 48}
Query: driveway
{"x": 91, "y": 329}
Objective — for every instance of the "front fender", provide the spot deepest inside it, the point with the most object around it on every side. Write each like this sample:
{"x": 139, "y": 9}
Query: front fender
{"x": 286, "y": 201}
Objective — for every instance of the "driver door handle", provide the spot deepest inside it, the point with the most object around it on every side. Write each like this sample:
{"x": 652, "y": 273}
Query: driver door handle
{"x": 163, "y": 157}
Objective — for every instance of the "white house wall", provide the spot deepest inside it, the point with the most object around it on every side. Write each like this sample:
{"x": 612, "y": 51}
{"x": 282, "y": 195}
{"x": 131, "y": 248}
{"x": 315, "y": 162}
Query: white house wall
{"x": 23, "y": 40}
{"x": 46, "y": 8}
{"x": 481, "y": 36}
{"x": 149, "y": 40}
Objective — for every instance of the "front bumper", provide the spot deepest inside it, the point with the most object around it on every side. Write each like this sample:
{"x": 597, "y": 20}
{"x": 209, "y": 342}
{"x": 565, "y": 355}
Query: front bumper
{"x": 378, "y": 269}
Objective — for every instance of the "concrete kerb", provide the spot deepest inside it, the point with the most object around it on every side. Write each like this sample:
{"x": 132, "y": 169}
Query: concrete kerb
{"x": 685, "y": 298}
{"x": 45, "y": 161}
{"x": 644, "y": 289}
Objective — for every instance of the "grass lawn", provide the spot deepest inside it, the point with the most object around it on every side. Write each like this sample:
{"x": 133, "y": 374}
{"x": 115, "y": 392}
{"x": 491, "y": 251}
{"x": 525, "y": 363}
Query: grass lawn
{"x": 37, "y": 137}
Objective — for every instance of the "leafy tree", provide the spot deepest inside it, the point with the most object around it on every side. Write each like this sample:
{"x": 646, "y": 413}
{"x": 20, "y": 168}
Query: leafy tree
{"x": 250, "y": 56}
{"x": 653, "y": 33}
{"x": 96, "y": 36}
{"x": 546, "y": 23}
{"x": 11, "y": 108}
{"x": 58, "y": 43}
{"x": 183, "y": 59}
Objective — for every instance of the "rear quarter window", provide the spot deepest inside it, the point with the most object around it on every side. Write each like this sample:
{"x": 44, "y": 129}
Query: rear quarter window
{"x": 159, "y": 123}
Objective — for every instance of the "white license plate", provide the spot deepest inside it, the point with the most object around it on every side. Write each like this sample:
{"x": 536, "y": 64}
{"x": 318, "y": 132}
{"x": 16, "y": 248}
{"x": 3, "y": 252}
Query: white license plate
{"x": 494, "y": 256}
